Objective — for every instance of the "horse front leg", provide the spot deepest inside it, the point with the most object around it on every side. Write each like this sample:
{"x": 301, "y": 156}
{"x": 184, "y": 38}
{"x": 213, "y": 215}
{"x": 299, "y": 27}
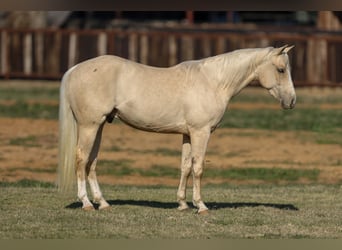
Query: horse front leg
{"x": 185, "y": 172}
{"x": 199, "y": 142}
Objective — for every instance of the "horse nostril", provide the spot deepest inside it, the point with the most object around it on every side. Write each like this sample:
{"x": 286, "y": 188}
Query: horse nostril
{"x": 293, "y": 103}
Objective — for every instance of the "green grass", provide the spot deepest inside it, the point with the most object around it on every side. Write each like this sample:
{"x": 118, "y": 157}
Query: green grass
{"x": 32, "y": 210}
{"x": 322, "y": 121}
{"x": 35, "y": 210}
{"x": 326, "y": 124}
{"x": 120, "y": 167}
{"x": 46, "y": 169}
{"x": 28, "y": 93}
{"x": 26, "y": 183}
{"x": 28, "y": 141}
{"x": 29, "y": 110}
{"x": 302, "y": 118}
{"x": 265, "y": 174}
{"x": 329, "y": 138}
{"x": 305, "y": 96}
{"x": 286, "y": 120}
{"x": 123, "y": 168}
{"x": 159, "y": 151}
{"x": 22, "y": 94}
{"x": 167, "y": 152}
{"x": 160, "y": 171}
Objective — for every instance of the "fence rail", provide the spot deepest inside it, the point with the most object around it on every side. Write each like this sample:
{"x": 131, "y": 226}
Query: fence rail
{"x": 48, "y": 53}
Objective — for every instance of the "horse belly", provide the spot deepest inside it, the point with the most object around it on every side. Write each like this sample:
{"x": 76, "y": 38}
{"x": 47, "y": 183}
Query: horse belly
{"x": 153, "y": 119}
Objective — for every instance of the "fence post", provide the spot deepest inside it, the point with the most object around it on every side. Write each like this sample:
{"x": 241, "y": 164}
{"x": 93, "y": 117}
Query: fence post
{"x": 27, "y": 60}
{"x": 132, "y": 49}
{"x": 220, "y": 45}
{"x": 333, "y": 71}
{"x": 187, "y": 48}
{"x": 39, "y": 51}
{"x": 172, "y": 51}
{"x": 4, "y": 55}
{"x": 102, "y": 44}
{"x": 53, "y": 56}
{"x": 206, "y": 43}
{"x": 144, "y": 49}
{"x": 72, "y": 50}
{"x": 316, "y": 70}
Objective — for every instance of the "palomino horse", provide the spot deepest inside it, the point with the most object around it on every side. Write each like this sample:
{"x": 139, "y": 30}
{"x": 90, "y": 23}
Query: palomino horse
{"x": 189, "y": 99}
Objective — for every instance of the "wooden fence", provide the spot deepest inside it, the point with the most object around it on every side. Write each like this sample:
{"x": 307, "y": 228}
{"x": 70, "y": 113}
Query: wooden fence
{"x": 47, "y": 53}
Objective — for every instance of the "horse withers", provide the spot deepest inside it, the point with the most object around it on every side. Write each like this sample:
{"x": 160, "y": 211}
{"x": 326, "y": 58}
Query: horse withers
{"x": 189, "y": 98}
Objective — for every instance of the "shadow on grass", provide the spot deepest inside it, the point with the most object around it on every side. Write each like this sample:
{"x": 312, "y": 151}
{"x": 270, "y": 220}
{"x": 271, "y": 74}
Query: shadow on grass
{"x": 173, "y": 205}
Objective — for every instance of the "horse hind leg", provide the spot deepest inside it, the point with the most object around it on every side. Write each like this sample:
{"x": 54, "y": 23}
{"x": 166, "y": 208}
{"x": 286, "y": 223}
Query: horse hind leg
{"x": 85, "y": 160}
{"x": 91, "y": 170}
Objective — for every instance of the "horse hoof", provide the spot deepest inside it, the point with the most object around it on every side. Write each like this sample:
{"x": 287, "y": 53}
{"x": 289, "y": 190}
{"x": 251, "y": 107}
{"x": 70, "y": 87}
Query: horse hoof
{"x": 203, "y": 212}
{"x": 182, "y": 209}
{"x": 88, "y": 208}
{"x": 183, "y": 206}
{"x": 105, "y": 207}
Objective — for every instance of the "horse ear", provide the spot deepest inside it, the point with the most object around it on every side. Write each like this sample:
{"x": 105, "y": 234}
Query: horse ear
{"x": 281, "y": 50}
{"x": 287, "y": 49}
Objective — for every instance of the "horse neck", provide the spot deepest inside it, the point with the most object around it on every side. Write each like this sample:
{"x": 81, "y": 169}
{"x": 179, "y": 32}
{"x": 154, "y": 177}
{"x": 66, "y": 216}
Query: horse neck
{"x": 233, "y": 71}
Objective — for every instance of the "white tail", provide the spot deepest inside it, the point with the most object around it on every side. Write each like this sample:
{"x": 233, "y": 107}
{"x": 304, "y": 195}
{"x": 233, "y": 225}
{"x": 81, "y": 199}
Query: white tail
{"x": 67, "y": 140}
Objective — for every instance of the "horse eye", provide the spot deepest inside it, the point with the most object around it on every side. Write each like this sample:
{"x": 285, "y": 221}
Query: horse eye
{"x": 280, "y": 70}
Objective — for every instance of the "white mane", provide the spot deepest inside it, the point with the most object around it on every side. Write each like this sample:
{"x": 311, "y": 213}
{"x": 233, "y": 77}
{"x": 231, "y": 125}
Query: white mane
{"x": 230, "y": 70}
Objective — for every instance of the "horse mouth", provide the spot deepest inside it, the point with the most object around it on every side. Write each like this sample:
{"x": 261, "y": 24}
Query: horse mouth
{"x": 290, "y": 105}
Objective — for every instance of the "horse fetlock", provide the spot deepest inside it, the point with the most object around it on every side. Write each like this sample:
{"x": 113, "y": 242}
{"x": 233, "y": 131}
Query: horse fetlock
{"x": 101, "y": 201}
{"x": 87, "y": 205}
{"x": 195, "y": 203}
{"x": 182, "y": 205}
{"x": 200, "y": 205}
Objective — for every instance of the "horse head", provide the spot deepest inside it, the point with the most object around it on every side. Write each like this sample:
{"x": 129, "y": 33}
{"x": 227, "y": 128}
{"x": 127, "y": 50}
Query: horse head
{"x": 274, "y": 75}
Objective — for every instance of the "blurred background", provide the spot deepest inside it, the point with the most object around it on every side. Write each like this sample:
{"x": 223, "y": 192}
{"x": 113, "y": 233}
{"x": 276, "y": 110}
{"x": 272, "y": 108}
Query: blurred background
{"x": 257, "y": 141}
{"x": 44, "y": 44}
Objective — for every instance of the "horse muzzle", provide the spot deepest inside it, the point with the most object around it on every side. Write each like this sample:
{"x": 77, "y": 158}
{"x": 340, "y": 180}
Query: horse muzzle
{"x": 290, "y": 104}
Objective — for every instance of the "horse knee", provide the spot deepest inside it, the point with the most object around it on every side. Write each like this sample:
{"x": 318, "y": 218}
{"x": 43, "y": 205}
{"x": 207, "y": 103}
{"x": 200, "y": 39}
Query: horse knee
{"x": 186, "y": 168}
{"x": 197, "y": 165}
{"x": 198, "y": 172}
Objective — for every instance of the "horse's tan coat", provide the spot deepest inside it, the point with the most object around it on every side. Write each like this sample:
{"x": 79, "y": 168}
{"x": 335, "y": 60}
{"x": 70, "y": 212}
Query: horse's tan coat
{"x": 189, "y": 98}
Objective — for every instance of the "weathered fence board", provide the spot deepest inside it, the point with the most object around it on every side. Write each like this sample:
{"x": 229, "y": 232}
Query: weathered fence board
{"x": 49, "y": 53}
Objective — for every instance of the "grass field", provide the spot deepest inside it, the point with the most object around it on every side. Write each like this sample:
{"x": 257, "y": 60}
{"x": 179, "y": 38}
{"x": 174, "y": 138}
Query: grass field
{"x": 35, "y": 210}
{"x": 294, "y": 192}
